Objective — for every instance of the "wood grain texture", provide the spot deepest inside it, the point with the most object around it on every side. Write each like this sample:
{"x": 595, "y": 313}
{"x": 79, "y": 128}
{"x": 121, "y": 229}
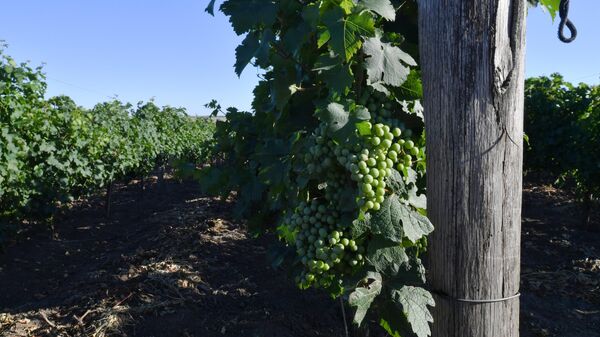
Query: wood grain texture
{"x": 472, "y": 59}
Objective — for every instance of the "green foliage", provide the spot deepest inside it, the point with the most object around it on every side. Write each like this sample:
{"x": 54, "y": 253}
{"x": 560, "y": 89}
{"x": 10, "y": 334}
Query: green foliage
{"x": 551, "y": 6}
{"x": 333, "y": 157}
{"x": 52, "y": 151}
{"x": 562, "y": 123}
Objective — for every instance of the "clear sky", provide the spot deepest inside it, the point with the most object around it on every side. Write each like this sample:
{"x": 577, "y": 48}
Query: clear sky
{"x": 175, "y": 52}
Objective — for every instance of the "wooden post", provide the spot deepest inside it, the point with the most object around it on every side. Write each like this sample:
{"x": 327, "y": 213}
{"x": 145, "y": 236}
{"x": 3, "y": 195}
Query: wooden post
{"x": 472, "y": 59}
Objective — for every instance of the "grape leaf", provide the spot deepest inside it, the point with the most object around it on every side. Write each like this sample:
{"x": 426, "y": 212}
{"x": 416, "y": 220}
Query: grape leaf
{"x": 417, "y": 200}
{"x": 345, "y": 33}
{"x": 210, "y": 9}
{"x": 250, "y": 48}
{"x": 395, "y": 220}
{"x": 245, "y": 52}
{"x": 551, "y": 6}
{"x": 414, "y": 224}
{"x": 414, "y": 302}
{"x": 385, "y": 62}
{"x": 395, "y": 183}
{"x": 381, "y": 7}
{"x": 386, "y": 256}
{"x": 362, "y": 297}
{"x": 245, "y": 14}
{"x": 361, "y": 225}
{"x": 336, "y": 75}
{"x": 387, "y": 221}
{"x": 335, "y": 116}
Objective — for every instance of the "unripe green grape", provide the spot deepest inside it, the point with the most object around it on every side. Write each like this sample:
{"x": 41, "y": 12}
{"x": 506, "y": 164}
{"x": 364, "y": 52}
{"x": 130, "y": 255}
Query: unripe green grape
{"x": 353, "y": 262}
{"x": 380, "y": 191}
{"x": 389, "y": 136}
{"x": 393, "y": 155}
{"x": 381, "y": 165}
{"x": 362, "y": 165}
{"x": 320, "y": 264}
{"x": 376, "y": 206}
{"x": 414, "y": 151}
{"x": 345, "y": 242}
{"x": 409, "y": 144}
{"x": 369, "y": 177}
{"x": 366, "y": 187}
{"x": 397, "y": 132}
{"x": 386, "y": 143}
{"x": 332, "y": 241}
{"x": 385, "y": 128}
{"x": 378, "y": 129}
{"x": 371, "y": 162}
{"x": 375, "y": 141}
{"x": 379, "y": 198}
{"x": 400, "y": 167}
{"x": 369, "y": 205}
{"x": 374, "y": 172}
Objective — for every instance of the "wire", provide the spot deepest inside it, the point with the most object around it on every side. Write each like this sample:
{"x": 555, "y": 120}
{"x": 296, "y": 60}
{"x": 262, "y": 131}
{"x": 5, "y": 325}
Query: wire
{"x": 80, "y": 87}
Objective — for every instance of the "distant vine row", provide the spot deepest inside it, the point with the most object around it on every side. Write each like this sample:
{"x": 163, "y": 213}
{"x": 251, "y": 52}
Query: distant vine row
{"x": 52, "y": 151}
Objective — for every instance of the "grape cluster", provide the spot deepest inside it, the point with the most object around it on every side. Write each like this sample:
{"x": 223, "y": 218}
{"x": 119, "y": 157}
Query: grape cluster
{"x": 323, "y": 244}
{"x": 382, "y": 109}
{"x": 384, "y": 150}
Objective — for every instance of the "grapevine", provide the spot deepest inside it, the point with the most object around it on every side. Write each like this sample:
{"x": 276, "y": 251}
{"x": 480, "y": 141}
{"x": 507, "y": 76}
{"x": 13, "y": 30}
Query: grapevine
{"x": 52, "y": 151}
{"x": 332, "y": 158}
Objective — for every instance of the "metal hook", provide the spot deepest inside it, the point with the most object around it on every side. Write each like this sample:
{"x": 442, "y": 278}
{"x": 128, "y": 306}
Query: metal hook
{"x": 564, "y": 21}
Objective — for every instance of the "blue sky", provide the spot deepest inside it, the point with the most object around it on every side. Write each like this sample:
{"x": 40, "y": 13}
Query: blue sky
{"x": 175, "y": 52}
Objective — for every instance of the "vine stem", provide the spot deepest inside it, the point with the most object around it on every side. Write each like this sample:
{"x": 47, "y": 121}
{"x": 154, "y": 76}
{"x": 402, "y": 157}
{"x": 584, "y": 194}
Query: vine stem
{"x": 344, "y": 316}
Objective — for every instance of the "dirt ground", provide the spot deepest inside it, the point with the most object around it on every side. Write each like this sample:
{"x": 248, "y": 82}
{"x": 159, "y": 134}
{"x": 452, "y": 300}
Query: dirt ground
{"x": 171, "y": 262}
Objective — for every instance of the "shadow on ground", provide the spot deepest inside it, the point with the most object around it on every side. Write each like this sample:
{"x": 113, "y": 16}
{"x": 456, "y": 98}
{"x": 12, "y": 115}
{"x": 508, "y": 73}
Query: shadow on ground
{"x": 171, "y": 262}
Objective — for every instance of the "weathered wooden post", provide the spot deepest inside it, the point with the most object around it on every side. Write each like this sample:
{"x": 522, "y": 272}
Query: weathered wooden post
{"x": 472, "y": 59}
